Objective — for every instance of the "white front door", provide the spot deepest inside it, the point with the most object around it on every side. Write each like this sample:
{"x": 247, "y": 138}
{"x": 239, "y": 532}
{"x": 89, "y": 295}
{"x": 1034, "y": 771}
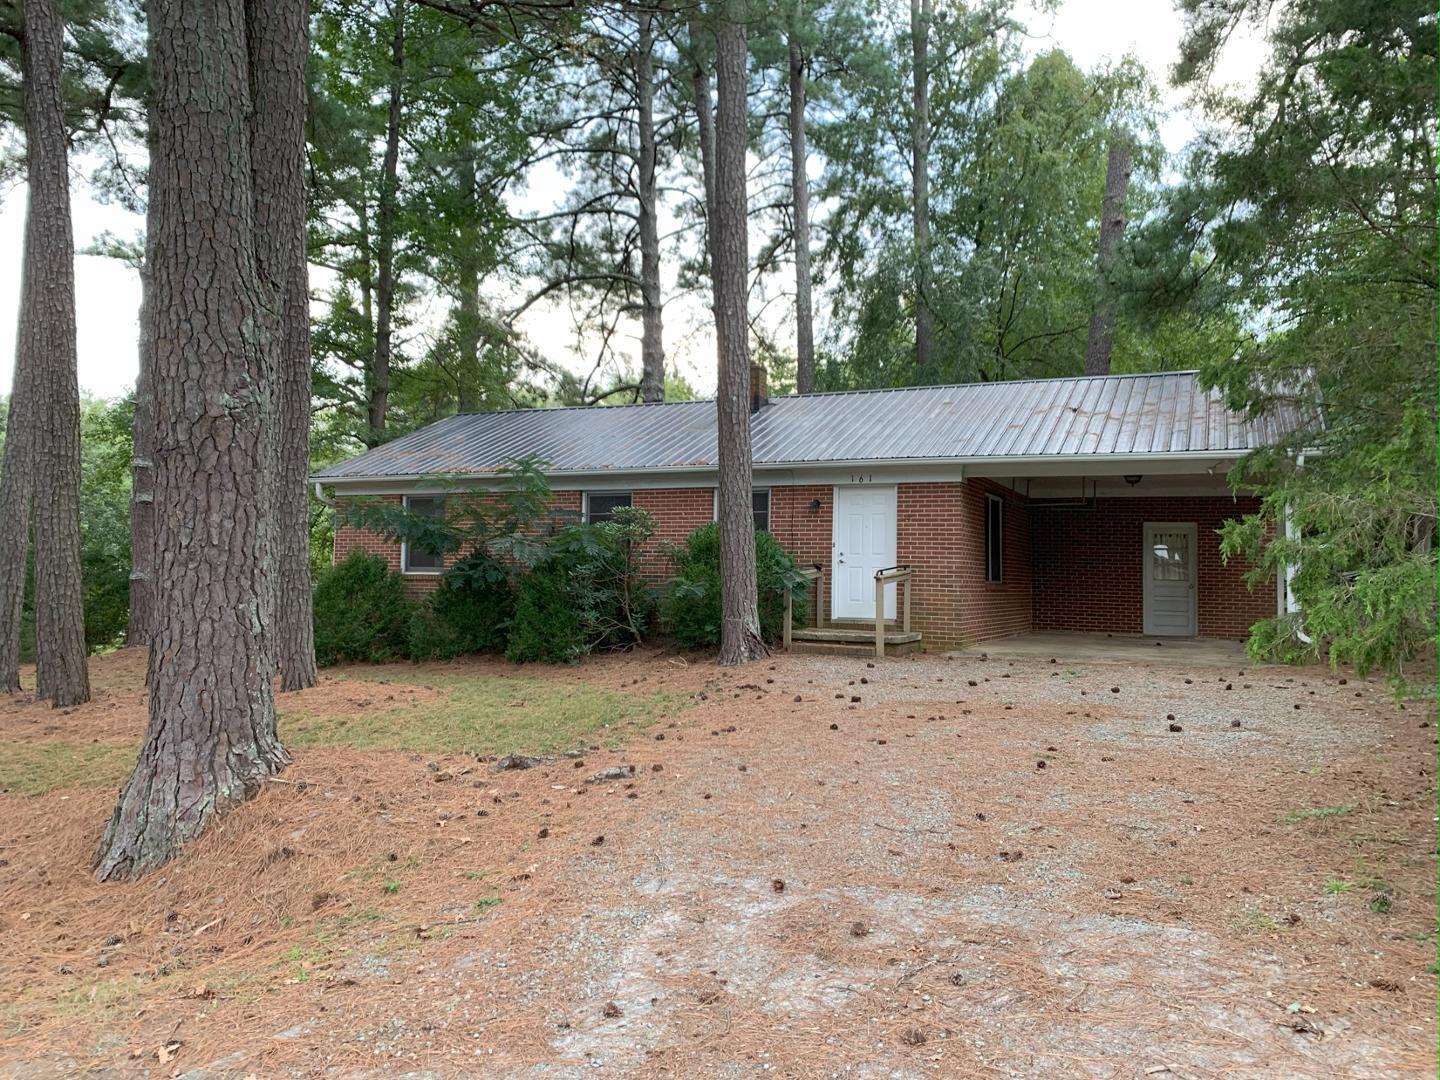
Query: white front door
{"x": 864, "y": 544}
{"x": 1169, "y": 590}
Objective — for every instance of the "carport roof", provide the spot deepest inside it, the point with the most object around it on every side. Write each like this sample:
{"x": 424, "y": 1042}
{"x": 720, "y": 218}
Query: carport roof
{"x": 1083, "y": 417}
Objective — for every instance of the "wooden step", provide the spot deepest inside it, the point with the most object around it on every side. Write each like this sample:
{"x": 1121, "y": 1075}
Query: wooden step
{"x": 852, "y": 641}
{"x": 848, "y": 636}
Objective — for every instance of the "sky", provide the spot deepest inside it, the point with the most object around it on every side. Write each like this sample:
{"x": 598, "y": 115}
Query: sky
{"x": 108, "y": 293}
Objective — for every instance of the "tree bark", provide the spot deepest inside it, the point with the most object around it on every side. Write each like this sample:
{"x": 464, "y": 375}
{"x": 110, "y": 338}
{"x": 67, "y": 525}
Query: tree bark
{"x": 385, "y": 236}
{"x": 652, "y": 333}
{"x": 17, "y": 479}
{"x": 1112, "y": 231}
{"x": 210, "y": 742}
{"x": 921, "y": 12}
{"x": 142, "y": 485}
{"x": 47, "y": 332}
{"x": 468, "y": 326}
{"x": 704, "y": 116}
{"x": 279, "y": 53}
{"x": 467, "y": 316}
{"x": 800, "y": 201}
{"x": 729, "y": 273}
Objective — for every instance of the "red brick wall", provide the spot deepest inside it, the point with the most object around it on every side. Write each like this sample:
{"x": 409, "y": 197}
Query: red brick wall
{"x": 995, "y": 609}
{"x": 1063, "y": 569}
{"x": 1088, "y": 566}
{"x": 803, "y": 532}
{"x": 928, "y": 531}
{"x": 678, "y": 512}
{"x": 941, "y": 533}
{"x": 348, "y": 538}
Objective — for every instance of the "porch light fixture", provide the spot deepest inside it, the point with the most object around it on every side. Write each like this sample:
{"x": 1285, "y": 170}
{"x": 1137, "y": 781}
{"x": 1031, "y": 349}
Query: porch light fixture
{"x": 814, "y": 506}
{"x": 1132, "y": 479}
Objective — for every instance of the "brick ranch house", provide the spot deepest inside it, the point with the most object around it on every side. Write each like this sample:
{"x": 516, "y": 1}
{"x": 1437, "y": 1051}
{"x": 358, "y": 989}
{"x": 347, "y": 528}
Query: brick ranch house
{"x": 1080, "y": 504}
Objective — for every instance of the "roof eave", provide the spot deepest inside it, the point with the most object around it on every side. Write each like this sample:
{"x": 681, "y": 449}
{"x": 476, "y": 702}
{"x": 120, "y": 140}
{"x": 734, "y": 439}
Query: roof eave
{"x": 612, "y": 474}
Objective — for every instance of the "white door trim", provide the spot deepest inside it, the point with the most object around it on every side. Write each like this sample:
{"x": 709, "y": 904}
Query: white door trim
{"x": 1147, "y": 624}
{"x": 863, "y": 606}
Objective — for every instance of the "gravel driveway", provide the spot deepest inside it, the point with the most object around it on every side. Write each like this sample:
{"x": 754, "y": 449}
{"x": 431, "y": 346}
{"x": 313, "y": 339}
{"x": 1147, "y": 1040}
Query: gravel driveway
{"x": 924, "y": 867}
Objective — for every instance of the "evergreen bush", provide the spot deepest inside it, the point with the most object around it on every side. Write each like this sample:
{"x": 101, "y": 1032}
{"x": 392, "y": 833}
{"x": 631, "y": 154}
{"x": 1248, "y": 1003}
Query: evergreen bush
{"x": 361, "y": 612}
{"x": 691, "y": 608}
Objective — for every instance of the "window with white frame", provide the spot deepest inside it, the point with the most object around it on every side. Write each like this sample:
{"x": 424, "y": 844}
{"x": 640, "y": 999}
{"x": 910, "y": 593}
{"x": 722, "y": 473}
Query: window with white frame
{"x": 415, "y": 559}
{"x": 994, "y": 539}
{"x": 759, "y": 505}
{"x": 601, "y": 505}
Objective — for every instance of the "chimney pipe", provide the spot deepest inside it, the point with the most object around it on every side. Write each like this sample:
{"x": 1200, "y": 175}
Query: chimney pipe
{"x": 759, "y": 387}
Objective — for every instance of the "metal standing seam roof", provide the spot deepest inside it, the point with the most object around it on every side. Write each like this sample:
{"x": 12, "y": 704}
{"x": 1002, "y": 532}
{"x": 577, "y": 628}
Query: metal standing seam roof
{"x": 1167, "y": 413}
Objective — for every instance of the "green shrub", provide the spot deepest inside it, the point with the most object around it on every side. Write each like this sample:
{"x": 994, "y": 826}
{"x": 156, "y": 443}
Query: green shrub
{"x": 616, "y": 604}
{"x": 547, "y": 623}
{"x": 361, "y": 612}
{"x": 587, "y": 592}
{"x": 469, "y": 612}
{"x": 691, "y": 609}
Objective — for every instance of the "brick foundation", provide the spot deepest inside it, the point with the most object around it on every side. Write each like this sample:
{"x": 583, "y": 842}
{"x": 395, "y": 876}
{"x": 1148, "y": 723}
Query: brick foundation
{"x": 1063, "y": 569}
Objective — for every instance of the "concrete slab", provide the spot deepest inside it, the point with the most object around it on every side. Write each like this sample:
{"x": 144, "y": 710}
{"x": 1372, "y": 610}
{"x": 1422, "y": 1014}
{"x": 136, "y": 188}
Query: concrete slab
{"x": 1112, "y": 648}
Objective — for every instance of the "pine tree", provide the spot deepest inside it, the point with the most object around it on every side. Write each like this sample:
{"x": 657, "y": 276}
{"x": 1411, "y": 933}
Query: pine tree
{"x": 740, "y": 640}
{"x": 211, "y": 741}
{"x": 45, "y": 413}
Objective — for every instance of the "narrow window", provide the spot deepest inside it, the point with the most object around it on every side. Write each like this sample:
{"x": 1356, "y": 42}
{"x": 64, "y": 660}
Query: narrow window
{"x": 760, "y": 502}
{"x": 759, "y": 506}
{"x": 601, "y": 505}
{"x": 415, "y": 559}
{"x": 993, "y": 534}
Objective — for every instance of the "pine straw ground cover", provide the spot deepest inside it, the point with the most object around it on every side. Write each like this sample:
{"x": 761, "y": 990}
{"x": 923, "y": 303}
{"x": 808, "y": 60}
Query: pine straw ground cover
{"x": 818, "y": 867}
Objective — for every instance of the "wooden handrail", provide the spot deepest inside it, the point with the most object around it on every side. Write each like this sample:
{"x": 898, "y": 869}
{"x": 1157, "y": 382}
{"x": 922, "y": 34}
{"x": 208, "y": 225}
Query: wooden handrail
{"x": 813, "y": 573}
{"x": 883, "y": 578}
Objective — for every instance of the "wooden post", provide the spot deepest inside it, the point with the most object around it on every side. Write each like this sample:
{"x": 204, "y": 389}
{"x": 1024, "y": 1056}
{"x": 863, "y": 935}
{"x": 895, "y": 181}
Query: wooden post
{"x": 789, "y": 614}
{"x": 906, "y": 623}
{"x": 879, "y": 618}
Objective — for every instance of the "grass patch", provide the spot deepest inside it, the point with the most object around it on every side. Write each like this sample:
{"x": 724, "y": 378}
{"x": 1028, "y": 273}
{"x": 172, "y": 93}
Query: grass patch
{"x": 486, "y": 715}
{"x": 477, "y": 715}
{"x": 1257, "y": 922}
{"x": 1338, "y": 886}
{"x": 300, "y": 961}
{"x": 485, "y": 903}
{"x": 38, "y": 768}
{"x": 1313, "y": 813}
{"x": 358, "y": 918}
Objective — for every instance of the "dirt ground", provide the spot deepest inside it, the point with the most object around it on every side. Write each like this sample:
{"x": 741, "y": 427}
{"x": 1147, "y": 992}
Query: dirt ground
{"x": 820, "y": 867}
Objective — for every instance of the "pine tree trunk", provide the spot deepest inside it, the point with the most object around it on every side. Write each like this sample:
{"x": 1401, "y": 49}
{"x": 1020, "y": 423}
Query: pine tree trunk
{"x": 1112, "y": 231}
{"x": 385, "y": 236}
{"x": 210, "y": 742}
{"x": 729, "y": 272}
{"x": 704, "y": 116}
{"x": 47, "y": 332}
{"x": 467, "y": 380}
{"x": 652, "y": 338}
{"x": 17, "y": 479}
{"x": 921, "y": 12}
{"x": 279, "y": 52}
{"x": 800, "y": 203}
{"x": 142, "y": 486}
